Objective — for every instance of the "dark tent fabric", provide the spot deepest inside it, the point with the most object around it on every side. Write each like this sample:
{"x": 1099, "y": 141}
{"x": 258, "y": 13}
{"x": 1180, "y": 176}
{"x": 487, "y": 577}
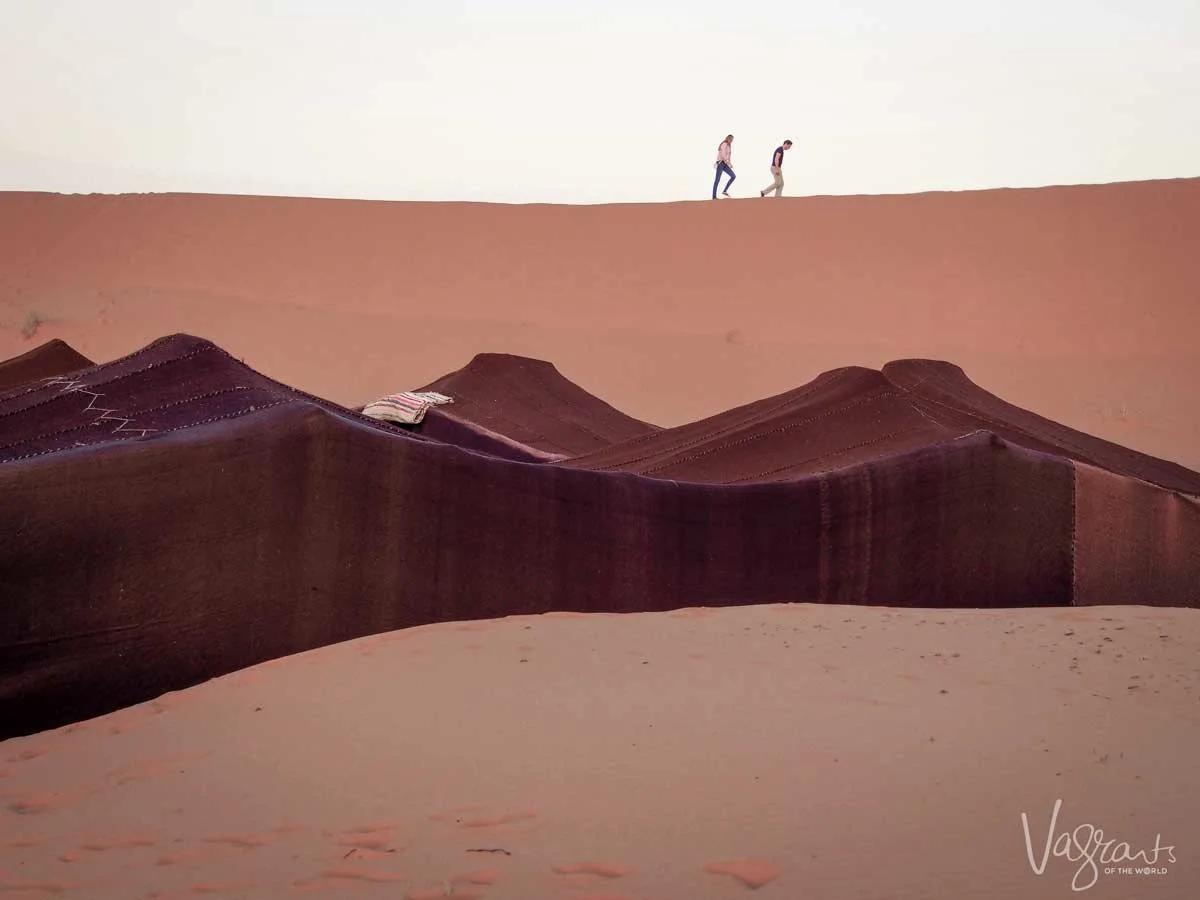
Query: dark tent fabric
{"x": 173, "y": 516}
{"x": 842, "y": 418}
{"x": 47, "y": 360}
{"x": 852, "y": 415}
{"x": 524, "y": 408}
{"x": 944, "y": 392}
{"x": 1134, "y": 543}
{"x": 177, "y": 382}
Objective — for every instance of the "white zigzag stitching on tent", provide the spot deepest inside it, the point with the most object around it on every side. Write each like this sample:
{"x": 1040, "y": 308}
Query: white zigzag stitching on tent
{"x": 72, "y": 386}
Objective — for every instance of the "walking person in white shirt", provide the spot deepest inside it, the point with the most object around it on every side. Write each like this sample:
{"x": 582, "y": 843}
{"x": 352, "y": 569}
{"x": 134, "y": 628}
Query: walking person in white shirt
{"x": 724, "y": 153}
{"x": 776, "y": 171}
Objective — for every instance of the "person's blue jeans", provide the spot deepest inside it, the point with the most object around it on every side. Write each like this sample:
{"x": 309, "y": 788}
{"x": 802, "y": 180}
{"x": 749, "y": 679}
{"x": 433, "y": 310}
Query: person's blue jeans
{"x": 722, "y": 167}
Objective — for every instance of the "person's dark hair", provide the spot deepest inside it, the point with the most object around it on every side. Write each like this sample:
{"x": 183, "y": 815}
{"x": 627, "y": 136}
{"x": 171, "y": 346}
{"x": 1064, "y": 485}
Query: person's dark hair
{"x": 787, "y": 142}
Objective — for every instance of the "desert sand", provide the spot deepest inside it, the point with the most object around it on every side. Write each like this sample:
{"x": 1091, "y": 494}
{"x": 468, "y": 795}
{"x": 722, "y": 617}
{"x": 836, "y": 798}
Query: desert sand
{"x": 782, "y": 750}
{"x": 785, "y": 751}
{"x": 1075, "y": 302}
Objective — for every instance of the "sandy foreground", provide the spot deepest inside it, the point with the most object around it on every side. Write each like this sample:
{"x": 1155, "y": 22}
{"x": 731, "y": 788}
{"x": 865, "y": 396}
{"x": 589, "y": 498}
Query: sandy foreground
{"x": 786, "y": 751}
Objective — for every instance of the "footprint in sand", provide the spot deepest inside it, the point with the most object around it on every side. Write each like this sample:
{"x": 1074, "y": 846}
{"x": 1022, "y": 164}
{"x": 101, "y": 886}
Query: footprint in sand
{"x": 212, "y": 888}
{"x": 520, "y": 815}
{"x": 753, "y": 873}
{"x": 227, "y": 845}
{"x": 122, "y": 843}
{"x": 441, "y": 893}
{"x": 174, "y": 859}
{"x": 601, "y": 869}
{"x": 36, "y": 804}
{"x": 243, "y": 841}
{"x": 20, "y": 887}
{"x": 585, "y": 875}
{"x": 353, "y": 873}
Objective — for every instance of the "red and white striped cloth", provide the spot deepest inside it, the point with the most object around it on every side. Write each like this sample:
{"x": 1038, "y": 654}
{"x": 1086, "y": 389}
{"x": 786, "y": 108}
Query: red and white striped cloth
{"x": 408, "y": 407}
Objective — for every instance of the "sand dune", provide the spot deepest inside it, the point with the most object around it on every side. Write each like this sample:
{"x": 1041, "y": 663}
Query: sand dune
{"x": 1077, "y": 303}
{"x": 817, "y": 751}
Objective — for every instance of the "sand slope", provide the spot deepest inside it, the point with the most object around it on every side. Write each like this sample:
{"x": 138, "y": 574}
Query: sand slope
{"x": 818, "y": 751}
{"x": 1077, "y": 303}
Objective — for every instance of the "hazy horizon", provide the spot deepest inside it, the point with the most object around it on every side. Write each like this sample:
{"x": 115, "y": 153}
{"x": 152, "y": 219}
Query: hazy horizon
{"x": 596, "y": 103}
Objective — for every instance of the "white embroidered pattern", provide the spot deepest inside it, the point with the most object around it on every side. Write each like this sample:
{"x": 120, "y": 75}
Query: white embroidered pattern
{"x": 72, "y": 386}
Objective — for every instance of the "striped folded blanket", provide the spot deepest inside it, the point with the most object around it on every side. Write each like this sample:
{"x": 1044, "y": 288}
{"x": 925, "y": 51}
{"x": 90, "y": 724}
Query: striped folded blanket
{"x": 408, "y": 408}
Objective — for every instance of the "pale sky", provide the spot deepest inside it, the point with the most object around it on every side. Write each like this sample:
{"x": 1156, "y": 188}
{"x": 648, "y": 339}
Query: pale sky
{"x": 572, "y": 101}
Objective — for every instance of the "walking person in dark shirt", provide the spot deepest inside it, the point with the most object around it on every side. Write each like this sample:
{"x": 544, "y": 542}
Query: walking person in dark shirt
{"x": 724, "y": 165}
{"x": 776, "y": 171}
